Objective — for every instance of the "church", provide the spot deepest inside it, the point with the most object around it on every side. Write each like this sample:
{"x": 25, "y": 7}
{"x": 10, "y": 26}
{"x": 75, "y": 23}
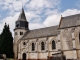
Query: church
{"x": 38, "y": 44}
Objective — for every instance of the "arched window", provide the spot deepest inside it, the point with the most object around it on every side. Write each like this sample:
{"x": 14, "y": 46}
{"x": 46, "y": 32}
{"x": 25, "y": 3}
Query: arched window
{"x": 42, "y": 46}
{"x": 33, "y": 46}
{"x": 53, "y": 45}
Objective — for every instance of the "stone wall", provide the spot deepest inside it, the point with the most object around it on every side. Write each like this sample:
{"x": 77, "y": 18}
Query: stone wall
{"x": 70, "y": 45}
{"x": 17, "y": 36}
{"x": 38, "y": 53}
{"x": 67, "y": 41}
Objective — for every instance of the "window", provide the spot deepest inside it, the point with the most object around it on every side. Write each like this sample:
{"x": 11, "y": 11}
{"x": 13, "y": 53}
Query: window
{"x": 53, "y": 45}
{"x": 33, "y": 46}
{"x": 42, "y": 46}
{"x": 15, "y": 33}
{"x": 21, "y": 33}
{"x": 17, "y": 25}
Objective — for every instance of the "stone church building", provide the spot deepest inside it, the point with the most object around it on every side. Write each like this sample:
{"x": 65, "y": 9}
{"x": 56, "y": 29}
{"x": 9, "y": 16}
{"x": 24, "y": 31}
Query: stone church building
{"x": 41, "y": 43}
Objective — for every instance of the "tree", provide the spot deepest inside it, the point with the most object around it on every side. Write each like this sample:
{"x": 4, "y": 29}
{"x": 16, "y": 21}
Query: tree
{"x": 6, "y": 42}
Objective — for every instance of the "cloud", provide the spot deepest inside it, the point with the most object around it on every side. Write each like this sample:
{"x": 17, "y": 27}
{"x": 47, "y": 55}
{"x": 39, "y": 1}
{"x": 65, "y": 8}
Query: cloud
{"x": 50, "y": 20}
{"x": 50, "y": 12}
{"x": 13, "y": 4}
{"x": 12, "y": 19}
{"x": 70, "y": 12}
{"x": 41, "y": 4}
{"x": 54, "y": 19}
{"x": 39, "y": 13}
{"x": 35, "y": 26}
{"x": 9, "y": 20}
{"x": 30, "y": 5}
{"x": 30, "y": 15}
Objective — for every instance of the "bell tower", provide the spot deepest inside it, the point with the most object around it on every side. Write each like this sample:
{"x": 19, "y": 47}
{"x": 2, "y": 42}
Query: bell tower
{"x": 21, "y": 27}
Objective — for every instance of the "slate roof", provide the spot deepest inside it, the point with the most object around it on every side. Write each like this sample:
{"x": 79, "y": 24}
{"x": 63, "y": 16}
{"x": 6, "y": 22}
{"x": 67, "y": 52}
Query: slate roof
{"x": 49, "y": 31}
{"x": 70, "y": 21}
{"x": 22, "y": 16}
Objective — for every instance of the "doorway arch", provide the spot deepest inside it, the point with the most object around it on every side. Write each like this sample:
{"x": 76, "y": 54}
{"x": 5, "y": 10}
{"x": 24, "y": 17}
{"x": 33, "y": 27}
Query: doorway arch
{"x": 24, "y": 56}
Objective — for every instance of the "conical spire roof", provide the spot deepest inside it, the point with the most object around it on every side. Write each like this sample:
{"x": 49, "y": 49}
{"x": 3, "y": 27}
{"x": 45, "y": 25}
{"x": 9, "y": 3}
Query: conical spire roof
{"x": 22, "y": 16}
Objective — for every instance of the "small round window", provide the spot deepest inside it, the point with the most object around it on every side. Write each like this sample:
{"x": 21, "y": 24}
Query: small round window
{"x": 24, "y": 43}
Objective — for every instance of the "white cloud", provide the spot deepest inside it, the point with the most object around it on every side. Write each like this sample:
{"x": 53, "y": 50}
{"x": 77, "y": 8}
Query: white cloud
{"x": 33, "y": 10}
{"x": 13, "y": 4}
{"x": 30, "y": 15}
{"x": 51, "y": 20}
{"x": 42, "y": 4}
{"x": 9, "y": 20}
{"x": 35, "y": 26}
{"x": 37, "y": 6}
{"x": 50, "y": 12}
{"x": 54, "y": 19}
{"x": 70, "y": 12}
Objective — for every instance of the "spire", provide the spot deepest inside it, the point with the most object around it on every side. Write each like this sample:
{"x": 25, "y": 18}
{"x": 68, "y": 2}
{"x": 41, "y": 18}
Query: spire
{"x": 22, "y": 16}
{"x": 22, "y": 10}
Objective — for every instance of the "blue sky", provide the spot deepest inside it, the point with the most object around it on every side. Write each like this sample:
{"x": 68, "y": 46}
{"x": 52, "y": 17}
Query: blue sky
{"x": 39, "y": 13}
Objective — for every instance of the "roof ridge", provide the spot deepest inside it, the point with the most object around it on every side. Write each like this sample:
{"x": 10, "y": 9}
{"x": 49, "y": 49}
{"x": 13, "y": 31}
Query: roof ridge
{"x": 70, "y": 15}
{"x": 70, "y": 21}
{"x": 45, "y": 27}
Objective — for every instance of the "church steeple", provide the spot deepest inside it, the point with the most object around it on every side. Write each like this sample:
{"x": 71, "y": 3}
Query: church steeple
{"x": 21, "y": 27}
{"x": 22, "y": 16}
{"x": 22, "y": 21}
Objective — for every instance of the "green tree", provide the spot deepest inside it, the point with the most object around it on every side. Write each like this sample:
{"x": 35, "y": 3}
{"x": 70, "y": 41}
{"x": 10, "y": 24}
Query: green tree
{"x": 6, "y": 42}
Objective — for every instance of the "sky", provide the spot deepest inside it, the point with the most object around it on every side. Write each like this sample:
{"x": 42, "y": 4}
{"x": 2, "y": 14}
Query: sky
{"x": 39, "y": 13}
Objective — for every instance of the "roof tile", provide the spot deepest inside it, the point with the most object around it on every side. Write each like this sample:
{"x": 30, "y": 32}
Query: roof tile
{"x": 49, "y": 31}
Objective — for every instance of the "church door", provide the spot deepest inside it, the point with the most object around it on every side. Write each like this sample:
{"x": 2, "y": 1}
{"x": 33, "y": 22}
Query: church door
{"x": 24, "y": 56}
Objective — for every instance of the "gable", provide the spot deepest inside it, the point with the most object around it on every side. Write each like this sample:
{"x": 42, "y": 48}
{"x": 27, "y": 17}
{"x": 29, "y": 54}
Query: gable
{"x": 70, "y": 21}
